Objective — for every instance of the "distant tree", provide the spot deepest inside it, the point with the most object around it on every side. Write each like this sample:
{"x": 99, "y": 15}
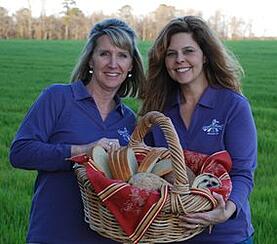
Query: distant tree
{"x": 160, "y": 17}
{"x": 23, "y": 23}
{"x": 163, "y": 14}
{"x": 72, "y": 23}
{"x": 219, "y": 24}
{"x": 236, "y": 28}
{"x": 189, "y": 11}
{"x": 6, "y": 24}
{"x": 144, "y": 29}
{"x": 96, "y": 17}
{"x": 77, "y": 19}
{"x": 67, "y": 5}
{"x": 125, "y": 13}
{"x": 248, "y": 30}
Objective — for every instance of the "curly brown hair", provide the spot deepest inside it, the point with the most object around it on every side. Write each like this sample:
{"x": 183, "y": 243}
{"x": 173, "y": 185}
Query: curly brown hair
{"x": 221, "y": 68}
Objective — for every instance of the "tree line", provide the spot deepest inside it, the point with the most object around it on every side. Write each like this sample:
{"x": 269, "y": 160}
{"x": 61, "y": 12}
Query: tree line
{"x": 73, "y": 24}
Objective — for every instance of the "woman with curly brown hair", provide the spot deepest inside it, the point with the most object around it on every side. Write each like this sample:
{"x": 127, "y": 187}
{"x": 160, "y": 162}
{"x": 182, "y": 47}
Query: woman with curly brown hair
{"x": 193, "y": 79}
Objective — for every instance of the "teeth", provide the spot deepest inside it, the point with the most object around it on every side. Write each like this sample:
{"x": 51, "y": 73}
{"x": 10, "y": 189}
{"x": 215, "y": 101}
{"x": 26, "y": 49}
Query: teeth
{"x": 182, "y": 69}
{"x": 112, "y": 74}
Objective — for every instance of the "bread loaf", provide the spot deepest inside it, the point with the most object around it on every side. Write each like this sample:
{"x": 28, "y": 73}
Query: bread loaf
{"x": 100, "y": 158}
{"x": 147, "y": 181}
{"x": 206, "y": 180}
{"x": 162, "y": 167}
{"x": 123, "y": 163}
{"x": 149, "y": 161}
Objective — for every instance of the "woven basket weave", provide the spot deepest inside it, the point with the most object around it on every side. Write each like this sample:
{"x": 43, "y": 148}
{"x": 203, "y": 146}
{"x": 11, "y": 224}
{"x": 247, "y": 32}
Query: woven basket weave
{"x": 181, "y": 199}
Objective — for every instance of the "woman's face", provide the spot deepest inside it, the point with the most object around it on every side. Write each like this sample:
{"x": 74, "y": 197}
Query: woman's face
{"x": 184, "y": 59}
{"x": 110, "y": 64}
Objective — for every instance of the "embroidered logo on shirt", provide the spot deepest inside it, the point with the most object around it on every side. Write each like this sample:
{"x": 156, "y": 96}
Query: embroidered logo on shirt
{"x": 213, "y": 129}
{"x": 124, "y": 133}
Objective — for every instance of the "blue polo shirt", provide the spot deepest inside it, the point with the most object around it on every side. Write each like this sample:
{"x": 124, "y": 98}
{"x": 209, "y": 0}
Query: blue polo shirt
{"x": 63, "y": 115}
{"x": 222, "y": 120}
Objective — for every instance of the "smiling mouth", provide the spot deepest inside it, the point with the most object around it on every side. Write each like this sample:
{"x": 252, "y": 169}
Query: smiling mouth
{"x": 112, "y": 74}
{"x": 182, "y": 70}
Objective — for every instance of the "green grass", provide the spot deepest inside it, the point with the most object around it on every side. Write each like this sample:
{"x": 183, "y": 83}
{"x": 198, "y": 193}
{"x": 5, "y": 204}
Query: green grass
{"x": 29, "y": 66}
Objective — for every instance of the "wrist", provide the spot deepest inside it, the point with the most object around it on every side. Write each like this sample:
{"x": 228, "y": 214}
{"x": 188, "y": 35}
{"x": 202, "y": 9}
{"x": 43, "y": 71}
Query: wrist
{"x": 230, "y": 208}
{"x": 80, "y": 149}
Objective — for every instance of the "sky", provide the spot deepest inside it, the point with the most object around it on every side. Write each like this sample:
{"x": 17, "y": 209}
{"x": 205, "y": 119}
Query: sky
{"x": 262, "y": 13}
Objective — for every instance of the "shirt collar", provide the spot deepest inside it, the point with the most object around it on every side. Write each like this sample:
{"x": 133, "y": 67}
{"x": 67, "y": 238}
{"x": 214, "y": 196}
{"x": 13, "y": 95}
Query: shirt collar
{"x": 118, "y": 104}
{"x": 80, "y": 92}
{"x": 208, "y": 97}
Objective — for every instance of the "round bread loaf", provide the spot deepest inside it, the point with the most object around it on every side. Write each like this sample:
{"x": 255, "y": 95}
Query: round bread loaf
{"x": 147, "y": 181}
{"x": 206, "y": 180}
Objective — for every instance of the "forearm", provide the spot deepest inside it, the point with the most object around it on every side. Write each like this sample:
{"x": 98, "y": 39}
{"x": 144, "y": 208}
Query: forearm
{"x": 80, "y": 149}
{"x": 36, "y": 155}
{"x": 242, "y": 187}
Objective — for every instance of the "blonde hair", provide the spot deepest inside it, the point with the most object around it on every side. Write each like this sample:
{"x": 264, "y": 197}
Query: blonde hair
{"x": 122, "y": 36}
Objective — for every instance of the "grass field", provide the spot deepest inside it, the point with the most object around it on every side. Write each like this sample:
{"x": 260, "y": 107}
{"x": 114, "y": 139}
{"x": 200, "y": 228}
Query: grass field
{"x": 29, "y": 66}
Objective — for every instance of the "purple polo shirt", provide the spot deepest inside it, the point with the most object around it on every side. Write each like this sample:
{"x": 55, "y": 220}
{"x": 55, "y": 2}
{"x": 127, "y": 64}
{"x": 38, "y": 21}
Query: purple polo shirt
{"x": 63, "y": 115}
{"x": 222, "y": 120}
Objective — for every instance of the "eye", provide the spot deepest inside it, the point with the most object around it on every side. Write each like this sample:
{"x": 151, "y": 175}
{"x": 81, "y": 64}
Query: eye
{"x": 104, "y": 53}
{"x": 170, "y": 54}
{"x": 123, "y": 55}
{"x": 188, "y": 51}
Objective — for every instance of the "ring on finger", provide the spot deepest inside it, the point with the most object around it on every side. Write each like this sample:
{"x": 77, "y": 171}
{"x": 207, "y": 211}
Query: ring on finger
{"x": 110, "y": 143}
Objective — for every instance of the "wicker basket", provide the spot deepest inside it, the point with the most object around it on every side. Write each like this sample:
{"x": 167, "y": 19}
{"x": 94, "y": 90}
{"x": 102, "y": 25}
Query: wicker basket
{"x": 181, "y": 199}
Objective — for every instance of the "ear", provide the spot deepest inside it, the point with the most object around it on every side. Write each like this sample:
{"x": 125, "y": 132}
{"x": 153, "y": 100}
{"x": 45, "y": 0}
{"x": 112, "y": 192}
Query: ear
{"x": 130, "y": 68}
{"x": 204, "y": 59}
{"x": 90, "y": 63}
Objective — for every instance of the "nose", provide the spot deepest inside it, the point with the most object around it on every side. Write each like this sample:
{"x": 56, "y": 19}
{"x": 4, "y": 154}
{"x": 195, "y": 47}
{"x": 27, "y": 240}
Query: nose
{"x": 180, "y": 58}
{"x": 113, "y": 61}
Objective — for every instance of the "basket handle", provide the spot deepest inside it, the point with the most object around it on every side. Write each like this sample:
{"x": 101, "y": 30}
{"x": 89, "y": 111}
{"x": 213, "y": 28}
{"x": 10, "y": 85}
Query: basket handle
{"x": 181, "y": 183}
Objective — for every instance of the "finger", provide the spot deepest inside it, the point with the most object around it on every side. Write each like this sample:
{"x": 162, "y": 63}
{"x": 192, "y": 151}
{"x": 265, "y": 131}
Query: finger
{"x": 103, "y": 142}
{"x": 190, "y": 226}
{"x": 189, "y": 220}
{"x": 114, "y": 141}
{"x": 113, "y": 147}
{"x": 219, "y": 199}
{"x": 192, "y": 216}
{"x": 113, "y": 144}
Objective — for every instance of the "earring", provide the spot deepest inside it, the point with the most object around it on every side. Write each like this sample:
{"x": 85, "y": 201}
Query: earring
{"x": 90, "y": 71}
{"x": 129, "y": 75}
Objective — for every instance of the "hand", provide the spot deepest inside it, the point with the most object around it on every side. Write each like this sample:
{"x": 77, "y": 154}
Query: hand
{"x": 220, "y": 214}
{"x": 107, "y": 143}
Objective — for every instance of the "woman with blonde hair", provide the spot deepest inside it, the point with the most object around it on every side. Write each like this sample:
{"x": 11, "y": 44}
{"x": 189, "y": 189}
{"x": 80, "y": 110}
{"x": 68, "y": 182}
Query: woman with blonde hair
{"x": 70, "y": 119}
